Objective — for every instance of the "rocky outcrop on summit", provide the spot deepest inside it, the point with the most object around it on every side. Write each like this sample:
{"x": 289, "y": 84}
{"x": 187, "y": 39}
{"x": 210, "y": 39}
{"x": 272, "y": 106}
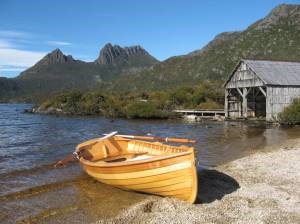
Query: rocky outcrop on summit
{"x": 114, "y": 54}
{"x": 57, "y": 72}
{"x": 52, "y": 59}
{"x": 56, "y": 57}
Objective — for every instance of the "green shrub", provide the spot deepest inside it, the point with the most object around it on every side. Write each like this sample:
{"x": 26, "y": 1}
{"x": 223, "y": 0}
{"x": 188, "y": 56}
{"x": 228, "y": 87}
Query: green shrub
{"x": 113, "y": 106}
{"x": 91, "y": 103}
{"x": 210, "y": 105}
{"x": 181, "y": 95}
{"x": 140, "y": 109}
{"x": 199, "y": 96}
{"x": 157, "y": 104}
{"x": 291, "y": 114}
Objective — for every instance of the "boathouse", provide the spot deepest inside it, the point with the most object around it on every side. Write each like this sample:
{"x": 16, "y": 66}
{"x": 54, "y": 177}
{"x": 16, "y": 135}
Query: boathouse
{"x": 258, "y": 88}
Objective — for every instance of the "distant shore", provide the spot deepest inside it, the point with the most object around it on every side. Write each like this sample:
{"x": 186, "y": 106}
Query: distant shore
{"x": 260, "y": 188}
{"x": 188, "y": 118}
{"x": 60, "y": 112}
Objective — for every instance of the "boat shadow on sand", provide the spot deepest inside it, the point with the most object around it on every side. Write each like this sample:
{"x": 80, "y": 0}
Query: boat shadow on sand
{"x": 214, "y": 185}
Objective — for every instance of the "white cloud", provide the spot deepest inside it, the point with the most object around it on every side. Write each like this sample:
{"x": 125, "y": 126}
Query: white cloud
{"x": 10, "y": 71}
{"x": 11, "y": 68}
{"x": 58, "y": 43}
{"x": 14, "y": 39}
{"x": 13, "y": 57}
{"x": 5, "y": 44}
{"x": 14, "y": 34}
{"x": 19, "y": 58}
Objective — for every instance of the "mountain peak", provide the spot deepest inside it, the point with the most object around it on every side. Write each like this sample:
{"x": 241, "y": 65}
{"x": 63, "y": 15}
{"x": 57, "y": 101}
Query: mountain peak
{"x": 56, "y": 57}
{"x": 282, "y": 14}
{"x": 56, "y": 51}
{"x": 108, "y": 45}
{"x": 111, "y": 54}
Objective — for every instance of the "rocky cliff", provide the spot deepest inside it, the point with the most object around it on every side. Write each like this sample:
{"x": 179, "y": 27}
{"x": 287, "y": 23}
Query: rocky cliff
{"x": 58, "y": 72}
{"x": 113, "y": 54}
{"x": 56, "y": 57}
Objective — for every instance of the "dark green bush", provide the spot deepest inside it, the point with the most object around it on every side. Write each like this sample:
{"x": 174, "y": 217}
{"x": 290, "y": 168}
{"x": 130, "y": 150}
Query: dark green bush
{"x": 158, "y": 104}
{"x": 291, "y": 114}
{"x": 91, "y": 103}
{"x": 114, "y": 106}
{"x": 181, "y": 95}
{"x": 140, "y": 109}
{"x": 210, "y": 105}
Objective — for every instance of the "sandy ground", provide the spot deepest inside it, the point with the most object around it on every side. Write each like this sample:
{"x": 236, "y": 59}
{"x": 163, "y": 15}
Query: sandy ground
{"x": 261, "y": 188}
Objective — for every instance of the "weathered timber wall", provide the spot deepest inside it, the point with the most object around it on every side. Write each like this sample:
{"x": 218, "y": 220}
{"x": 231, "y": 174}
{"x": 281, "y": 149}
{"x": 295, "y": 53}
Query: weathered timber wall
{"x": 244, "y": 77}
{"x": 278, "y": 98}
{"x": 234, "y": 105}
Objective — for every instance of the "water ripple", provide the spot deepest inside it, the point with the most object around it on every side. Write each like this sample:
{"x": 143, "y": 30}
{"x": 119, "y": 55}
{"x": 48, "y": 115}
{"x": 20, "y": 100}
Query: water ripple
{"x": 29, "y": 142}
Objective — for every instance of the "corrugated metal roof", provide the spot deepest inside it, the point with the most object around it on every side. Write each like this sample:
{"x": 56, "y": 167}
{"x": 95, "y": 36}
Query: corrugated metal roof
{"x": 276, "y": 72}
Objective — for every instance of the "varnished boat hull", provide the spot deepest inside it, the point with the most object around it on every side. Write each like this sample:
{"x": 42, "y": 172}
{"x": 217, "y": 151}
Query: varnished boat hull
{"x": 171, "y": 176}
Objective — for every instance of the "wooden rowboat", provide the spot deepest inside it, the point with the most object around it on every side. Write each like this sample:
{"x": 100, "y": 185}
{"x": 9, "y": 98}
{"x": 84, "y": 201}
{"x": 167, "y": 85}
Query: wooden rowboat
{"x": 143, "y": 166}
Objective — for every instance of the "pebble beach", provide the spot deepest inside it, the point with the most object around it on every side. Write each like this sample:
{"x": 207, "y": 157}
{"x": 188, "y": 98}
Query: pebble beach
{"x": 260, "y": 188}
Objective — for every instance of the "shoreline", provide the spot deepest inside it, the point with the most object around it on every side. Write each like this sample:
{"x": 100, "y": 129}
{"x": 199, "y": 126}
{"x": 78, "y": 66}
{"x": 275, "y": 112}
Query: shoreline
{"x": 260, "y": 188}
{"x": 251, "y": 189}
{"x": 60, "y": 113}
{"x": 196, "y": 119}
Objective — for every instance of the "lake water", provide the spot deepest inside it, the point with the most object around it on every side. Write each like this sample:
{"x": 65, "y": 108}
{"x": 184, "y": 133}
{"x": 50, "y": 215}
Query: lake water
{"x": 32, "y": 191}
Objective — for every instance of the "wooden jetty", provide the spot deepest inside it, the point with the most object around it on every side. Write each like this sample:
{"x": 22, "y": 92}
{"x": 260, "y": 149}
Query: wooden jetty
{"x": 202, "y": 112}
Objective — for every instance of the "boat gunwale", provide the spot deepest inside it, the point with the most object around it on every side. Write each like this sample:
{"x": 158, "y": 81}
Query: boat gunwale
{"x": 128, "y": 163}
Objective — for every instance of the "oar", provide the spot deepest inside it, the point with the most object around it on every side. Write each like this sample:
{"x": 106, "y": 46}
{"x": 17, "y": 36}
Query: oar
{"x": 160, "y": 139}
{"x": 69, "y": 158}
{"x": 75, "y": 155}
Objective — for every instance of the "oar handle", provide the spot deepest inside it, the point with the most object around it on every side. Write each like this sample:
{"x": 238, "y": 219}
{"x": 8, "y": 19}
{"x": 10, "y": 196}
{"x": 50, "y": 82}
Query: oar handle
{"x": 181, "y": 140}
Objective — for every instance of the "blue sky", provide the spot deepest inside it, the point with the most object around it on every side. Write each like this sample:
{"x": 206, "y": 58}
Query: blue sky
{"x": 30, "y": 29}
